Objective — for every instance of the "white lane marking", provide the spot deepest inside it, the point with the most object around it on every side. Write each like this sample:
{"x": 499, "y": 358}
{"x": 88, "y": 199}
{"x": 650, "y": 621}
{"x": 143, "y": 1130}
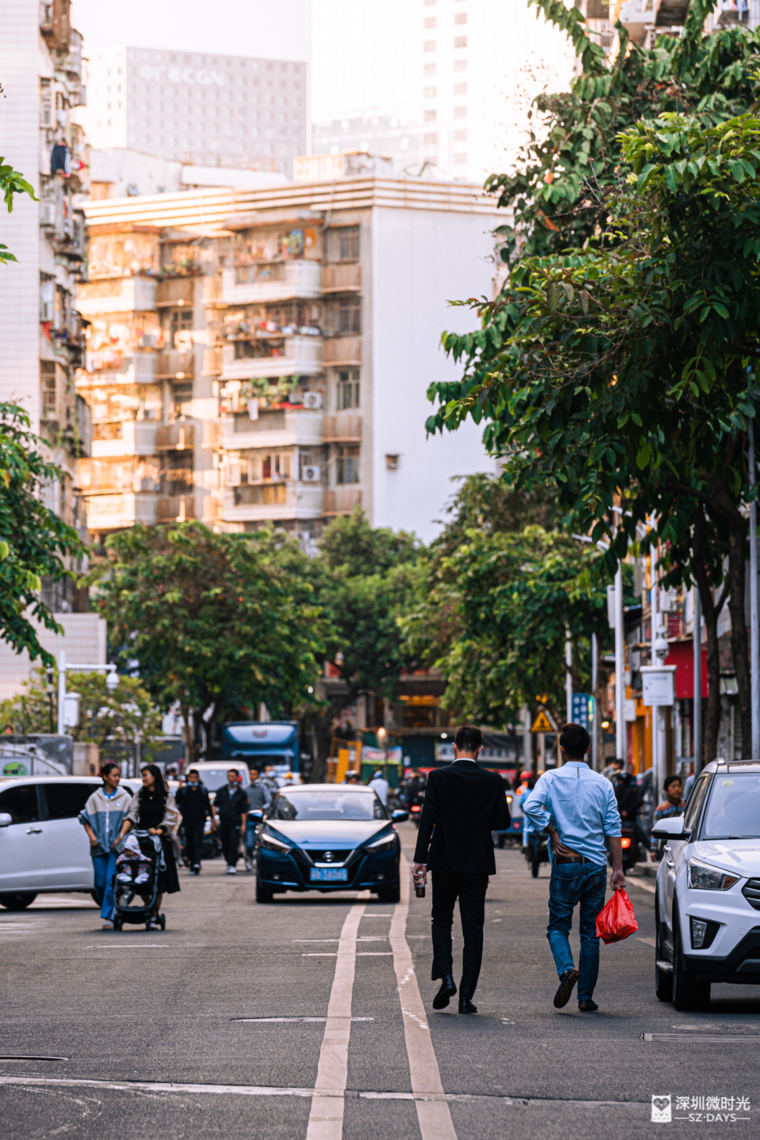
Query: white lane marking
{"x": 267, "y": 1020}
{"x": 374, "y": 953}
{"x": 642, "y": 886}
{"x": 433, "y": 1115}
{"x": 328, "y": 1102}
{"x": 315, "y": 940}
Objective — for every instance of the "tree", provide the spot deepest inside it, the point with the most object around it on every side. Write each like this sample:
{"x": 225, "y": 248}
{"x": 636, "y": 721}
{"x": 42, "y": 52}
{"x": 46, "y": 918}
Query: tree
{"x": 364, "y": 577}
{"x": 105, "y": 717}
{"x": 33, "y": 540}
{"x": 214, "y": 622}
{"x": 628, "y": 370}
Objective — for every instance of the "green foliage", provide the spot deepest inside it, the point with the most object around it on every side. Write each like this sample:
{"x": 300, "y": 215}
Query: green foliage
{"x": 492, "y": 612}
{"x": 11, "y": 183}
{"x": 214, "y": 621}
{"x": 33, "y": 540}
{"x": 572, "y": 153}
{"x": 104, "y": 716}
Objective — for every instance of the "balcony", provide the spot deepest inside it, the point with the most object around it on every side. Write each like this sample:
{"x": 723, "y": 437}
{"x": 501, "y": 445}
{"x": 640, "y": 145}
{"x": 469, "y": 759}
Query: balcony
{"x": 271, "y": 281}
{"x": 116, "y": 367}
{"x": 212, "y": 290}
{"x": 341, "y": 429}
{"x": 342, "y": 278}
{"x": 116, "y": 511}
{"x": 177, "y": 436}
{"x": 341, "y": 500}
{"x": 127, "y": 437}
{"x": 175, "y": 508}
{"x": 212, "y": 434}
{"x": 175, "y": 291}
{"x": 117, "y": 295}
{"x": 342, "y": 350}
{"x": 175, "y": 365}
{"x": 279, "y": 428}
{"x": 281, "y": 500}
{"x": 285, "y": 356}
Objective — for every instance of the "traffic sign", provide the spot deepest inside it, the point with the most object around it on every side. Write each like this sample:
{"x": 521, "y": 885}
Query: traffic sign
{"x": 541, "y": 723}
{"x": 582, "y": 709}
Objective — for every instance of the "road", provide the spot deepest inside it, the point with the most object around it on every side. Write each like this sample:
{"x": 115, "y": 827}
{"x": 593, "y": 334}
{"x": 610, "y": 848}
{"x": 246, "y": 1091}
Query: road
{"x": 226, "y": 1024}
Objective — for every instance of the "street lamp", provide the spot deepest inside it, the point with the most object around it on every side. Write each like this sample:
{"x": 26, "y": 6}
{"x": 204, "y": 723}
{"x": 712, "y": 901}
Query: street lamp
{"x": 112, "y": 681}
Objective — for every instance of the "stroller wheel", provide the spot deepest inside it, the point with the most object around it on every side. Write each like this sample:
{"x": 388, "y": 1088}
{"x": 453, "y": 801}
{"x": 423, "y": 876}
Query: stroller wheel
{"x": 162, "y": 921}
{"x": 117, "y": 924}
{"x": 148, "y": 924}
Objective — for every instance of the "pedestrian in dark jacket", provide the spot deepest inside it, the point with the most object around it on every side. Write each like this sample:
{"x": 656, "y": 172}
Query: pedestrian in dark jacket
{"x": 232, "y": 806}
{"x": 259, "y": 799}
{"x": 195, "y": 808}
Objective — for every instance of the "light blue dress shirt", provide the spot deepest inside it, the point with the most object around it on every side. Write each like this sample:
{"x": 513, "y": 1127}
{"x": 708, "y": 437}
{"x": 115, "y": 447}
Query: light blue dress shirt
{"x": 580, "y": 804}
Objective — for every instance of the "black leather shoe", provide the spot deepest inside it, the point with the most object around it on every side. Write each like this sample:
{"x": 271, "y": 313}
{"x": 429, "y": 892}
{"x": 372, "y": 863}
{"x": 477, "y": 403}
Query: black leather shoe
{"x": 588, "y": 1006}
{"x": 445, "y": 993}
{"x": 565, "y": 988}
{"x": 466, "y": 1006}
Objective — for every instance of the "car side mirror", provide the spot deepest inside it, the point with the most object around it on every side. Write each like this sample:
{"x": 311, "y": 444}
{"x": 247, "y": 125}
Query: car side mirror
{"x": 399, "y": 816}
{"x": 671, "y": 828}
{"x": 256, "y": 814}
{"x": 5, "y": 819}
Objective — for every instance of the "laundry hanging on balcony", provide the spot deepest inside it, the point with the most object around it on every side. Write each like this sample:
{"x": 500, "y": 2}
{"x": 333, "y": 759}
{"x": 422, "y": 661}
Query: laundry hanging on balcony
{"x": 60, "y": 160}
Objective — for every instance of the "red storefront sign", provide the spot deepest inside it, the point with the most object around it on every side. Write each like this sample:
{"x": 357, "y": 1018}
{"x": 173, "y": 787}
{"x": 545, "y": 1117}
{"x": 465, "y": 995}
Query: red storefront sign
{"x": 681, "y": 655}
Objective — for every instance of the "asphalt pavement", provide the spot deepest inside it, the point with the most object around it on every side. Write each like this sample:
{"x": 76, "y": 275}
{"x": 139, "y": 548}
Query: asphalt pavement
{"x": 311, "y": 1019}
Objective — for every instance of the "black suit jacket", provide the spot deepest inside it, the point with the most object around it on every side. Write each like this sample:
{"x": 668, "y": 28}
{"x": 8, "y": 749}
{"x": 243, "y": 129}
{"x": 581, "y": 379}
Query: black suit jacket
{"x": 463, "y": 805}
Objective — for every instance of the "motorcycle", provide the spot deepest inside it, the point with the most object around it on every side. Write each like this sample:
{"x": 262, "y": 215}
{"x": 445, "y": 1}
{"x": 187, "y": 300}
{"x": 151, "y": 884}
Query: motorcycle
{"x": 630, "y": 845}
{"x": 536, "y": 851}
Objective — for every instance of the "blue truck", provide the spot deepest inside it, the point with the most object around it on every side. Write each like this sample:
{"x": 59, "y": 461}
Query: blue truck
{"x": 261, "y": 743}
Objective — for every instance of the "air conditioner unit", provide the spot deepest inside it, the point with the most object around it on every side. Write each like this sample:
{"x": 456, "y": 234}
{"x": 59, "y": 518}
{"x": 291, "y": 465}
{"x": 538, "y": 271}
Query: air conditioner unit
{"x": 47, "y": 213}
{"x": 312, "y": 400}
{"x": 311, "y": 474}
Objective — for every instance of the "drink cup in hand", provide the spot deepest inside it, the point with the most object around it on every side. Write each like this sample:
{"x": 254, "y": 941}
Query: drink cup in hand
{"x": 419, "y": 888}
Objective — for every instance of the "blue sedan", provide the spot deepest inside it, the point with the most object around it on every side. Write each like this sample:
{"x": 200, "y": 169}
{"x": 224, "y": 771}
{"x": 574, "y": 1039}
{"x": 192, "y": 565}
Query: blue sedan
{"x": 328, "y": 837}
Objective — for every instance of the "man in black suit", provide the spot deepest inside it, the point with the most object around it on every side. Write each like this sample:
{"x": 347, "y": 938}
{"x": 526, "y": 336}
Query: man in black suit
{"x": 463, "y": 805}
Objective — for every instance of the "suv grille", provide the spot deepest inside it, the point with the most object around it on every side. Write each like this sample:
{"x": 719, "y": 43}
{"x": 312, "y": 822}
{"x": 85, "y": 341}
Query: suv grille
{"x": 751, "y": 892}
{"x": 335, "y": 857}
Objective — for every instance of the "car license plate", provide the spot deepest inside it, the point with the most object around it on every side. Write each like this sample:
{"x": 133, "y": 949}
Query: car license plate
{"x": 328, "y": 874}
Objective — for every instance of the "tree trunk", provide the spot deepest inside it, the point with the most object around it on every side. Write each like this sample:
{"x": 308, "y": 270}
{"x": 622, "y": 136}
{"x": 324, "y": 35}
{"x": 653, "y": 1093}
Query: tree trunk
{"x": 710, "y": 612}
{"x": 737, "y": 562}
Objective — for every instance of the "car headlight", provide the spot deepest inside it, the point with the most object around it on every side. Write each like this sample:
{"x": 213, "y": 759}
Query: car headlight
{"x": 702, "y": 877}
{"x": 384, "y": 843}
{"x": 271, "y": 843}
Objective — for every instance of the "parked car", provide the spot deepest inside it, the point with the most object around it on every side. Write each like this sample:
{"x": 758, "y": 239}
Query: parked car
{"x": 328, "y": 837}
{"x": 708, "y": 887}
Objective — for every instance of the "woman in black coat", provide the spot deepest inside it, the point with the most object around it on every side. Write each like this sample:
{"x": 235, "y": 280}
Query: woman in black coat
{"x": 154, "y": 809}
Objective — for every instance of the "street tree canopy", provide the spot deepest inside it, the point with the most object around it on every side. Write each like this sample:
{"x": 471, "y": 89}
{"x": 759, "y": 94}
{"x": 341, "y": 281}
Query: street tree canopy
{"x": 215, "y": 623}
{"x": 34, "y": 541}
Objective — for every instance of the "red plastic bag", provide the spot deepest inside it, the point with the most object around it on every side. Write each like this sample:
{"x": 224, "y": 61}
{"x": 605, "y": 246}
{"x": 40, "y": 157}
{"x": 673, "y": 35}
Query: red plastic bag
{"x": 616, "y": 920}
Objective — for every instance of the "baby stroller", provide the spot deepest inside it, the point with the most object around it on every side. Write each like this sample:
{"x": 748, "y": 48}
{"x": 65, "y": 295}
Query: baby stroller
{"x": 135, "y": 883}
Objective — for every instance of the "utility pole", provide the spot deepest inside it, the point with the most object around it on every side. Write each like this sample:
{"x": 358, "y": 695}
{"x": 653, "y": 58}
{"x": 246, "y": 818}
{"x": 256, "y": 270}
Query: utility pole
{"x": 595, "y": 721}
{"x": 569, "y": 673}
{"x": 697, "y": 710}
{"x": 653, "y": 633}
{"x": 621, "y": 748}
{"x": 753, "y": 620}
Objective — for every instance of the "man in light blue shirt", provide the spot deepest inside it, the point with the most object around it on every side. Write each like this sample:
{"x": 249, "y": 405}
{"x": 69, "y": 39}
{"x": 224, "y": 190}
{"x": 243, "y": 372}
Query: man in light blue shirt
{"x": 578, "y": 809}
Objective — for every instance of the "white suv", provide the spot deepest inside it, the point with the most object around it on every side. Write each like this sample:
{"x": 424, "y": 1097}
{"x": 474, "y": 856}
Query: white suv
{"x": 707, "y": 906}
{"x": 43, "y": 846}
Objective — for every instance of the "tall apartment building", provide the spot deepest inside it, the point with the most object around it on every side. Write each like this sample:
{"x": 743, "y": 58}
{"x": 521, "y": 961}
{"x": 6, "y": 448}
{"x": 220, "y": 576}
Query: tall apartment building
{"x": 40, "y": 329}
{"x": 264, "y": 356}
{"x": 438, "y": 82}
{"x": 198, "y": 108}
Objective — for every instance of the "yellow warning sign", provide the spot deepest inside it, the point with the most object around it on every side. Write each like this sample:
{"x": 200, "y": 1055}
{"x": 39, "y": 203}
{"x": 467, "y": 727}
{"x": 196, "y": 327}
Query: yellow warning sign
{"x": 541, "y": 723}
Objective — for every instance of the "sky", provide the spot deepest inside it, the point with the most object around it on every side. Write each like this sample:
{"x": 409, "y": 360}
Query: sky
{"x": 230, "y": 27}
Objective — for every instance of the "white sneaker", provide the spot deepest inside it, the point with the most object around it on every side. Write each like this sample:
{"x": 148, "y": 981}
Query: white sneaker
{"x": 232, "y": 870}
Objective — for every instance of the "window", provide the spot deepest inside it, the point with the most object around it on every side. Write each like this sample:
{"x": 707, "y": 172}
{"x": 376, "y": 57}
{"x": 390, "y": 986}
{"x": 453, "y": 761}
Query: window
{"x": 20, "y": 802}
{"x": 182, "y": 398}
{"x": 177, "y": 476}
{"x": 429, "y": 45}
{"x": 460, "y": 41}
{"x": 347, "y": 458}
{"x": 460, "y": 65}
{"x": 460, "y": 17}
{"x": 460, "y": 159}
{"x": 65, "y": 801}
{"x": 343, "y": 243}
{"x": 180, "y": 322}
{"x": 431, "y": 139}
{"x": 429, "y": 69}
{"x": 460, "y": 88}
{"x": 47, "y": 382}
{"x": 460, "y": 112}
{"x": 429, "y": 22}
{"x": 347, "y": 392}
{"x": 695, "y": 802}
{"x": 429, "y": 116}
{"x": 430, "y": 92}
{"x": 348, "y": 316}
{"x": 460, "y": 136}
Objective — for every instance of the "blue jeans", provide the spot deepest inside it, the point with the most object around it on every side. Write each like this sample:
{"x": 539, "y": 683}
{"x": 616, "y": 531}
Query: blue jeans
{"x": 104, "y": 867}
{"x": 570, "y": 884}
{"x": 250, "y": 837}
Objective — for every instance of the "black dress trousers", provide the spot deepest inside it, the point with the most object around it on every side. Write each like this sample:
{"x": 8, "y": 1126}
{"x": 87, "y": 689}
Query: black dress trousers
{"x": 470, "y": 889}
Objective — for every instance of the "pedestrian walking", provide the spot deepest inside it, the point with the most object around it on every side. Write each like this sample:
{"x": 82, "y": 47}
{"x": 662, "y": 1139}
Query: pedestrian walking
{"x": 381, "y": 787}
{"x": 463, "y": 805}
{"x": 195, "y": 807}
{"x": 153, "y": 812}
{"x": 259, "y": 799}
{"x": 270, "y": 780}
{"x": 232, "y": 807}
{"x": 578, "y": 809}
{"x": 102, "y": 817}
